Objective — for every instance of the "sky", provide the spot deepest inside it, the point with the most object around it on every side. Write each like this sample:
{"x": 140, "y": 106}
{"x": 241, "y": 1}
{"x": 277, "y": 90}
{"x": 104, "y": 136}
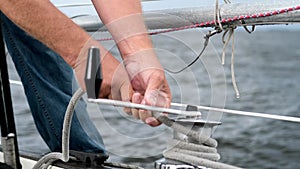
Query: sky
{"x": 148, "y": 5}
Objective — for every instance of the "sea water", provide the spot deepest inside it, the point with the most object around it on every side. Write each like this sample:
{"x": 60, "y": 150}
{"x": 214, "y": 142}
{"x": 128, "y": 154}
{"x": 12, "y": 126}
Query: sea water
{"x": 267, "y": 73}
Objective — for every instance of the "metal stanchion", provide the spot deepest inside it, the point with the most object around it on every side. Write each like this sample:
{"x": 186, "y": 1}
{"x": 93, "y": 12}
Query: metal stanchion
{"x": 7, "y": 122}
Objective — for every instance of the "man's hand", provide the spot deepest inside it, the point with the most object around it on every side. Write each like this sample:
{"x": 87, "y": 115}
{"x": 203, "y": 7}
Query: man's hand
{"x": 157, "y": 94}
{"x": 149, "y": 83}
{"x": 124, "y": 20}
{"x": 115, "y": 84}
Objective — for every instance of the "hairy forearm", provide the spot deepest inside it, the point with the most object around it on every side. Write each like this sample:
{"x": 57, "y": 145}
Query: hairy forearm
{"x": 124, "y": 20}
{"x": 46, "y": 23}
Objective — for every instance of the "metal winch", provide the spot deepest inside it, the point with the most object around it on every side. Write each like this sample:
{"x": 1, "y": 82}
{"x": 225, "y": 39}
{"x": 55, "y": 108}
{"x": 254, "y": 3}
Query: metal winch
{"x": 195, "y": 124}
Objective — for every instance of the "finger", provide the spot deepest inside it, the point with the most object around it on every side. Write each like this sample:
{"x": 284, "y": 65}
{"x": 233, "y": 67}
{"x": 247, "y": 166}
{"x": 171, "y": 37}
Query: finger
{"x": 158, "y": 92}
{"x": 136, "y": 98}
{"x": 120, "y": 85}
{"x": 135, "y": 113}
{"x": 157, "y": 98}
{"x": 146, "y": 117}
{"x": 144, "y": 114}
{"x": 126, "y": 93}
{"x": 153, "y": 122}
{"x": 127, "y": 110}
{"x": 104, "y": 91}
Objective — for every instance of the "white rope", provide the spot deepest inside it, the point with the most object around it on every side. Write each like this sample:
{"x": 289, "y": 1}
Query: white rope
{"x": 204, "y": 153}
{"x": 67, "y": 124}
{"x": 64, "y": 156}
{"x": 217, "y": 16}
{"x": 246, "y": 113}
{"x": 217, "y": 20}
{"x": 15, "y": 82}
{"x": 235, "y": 87}
{"x": 45, "y": 160}
{"x": 48, "y": 159}
{"x": 197, "y": 161}
{"x": 220, "y": 27}
{"x": 145, "y": 107}
{"x": 226, "y": 41}
{"x": 192, "y": 113}
{"x": 184, "y": 130}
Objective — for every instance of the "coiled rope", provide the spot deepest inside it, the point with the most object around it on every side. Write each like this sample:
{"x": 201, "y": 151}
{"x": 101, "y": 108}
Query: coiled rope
{"x": 48, "y": 159}
{"x": 204, "y": 153}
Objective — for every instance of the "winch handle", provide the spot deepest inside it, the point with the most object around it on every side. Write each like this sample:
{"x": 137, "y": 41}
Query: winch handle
{"x": 93, "y": 74}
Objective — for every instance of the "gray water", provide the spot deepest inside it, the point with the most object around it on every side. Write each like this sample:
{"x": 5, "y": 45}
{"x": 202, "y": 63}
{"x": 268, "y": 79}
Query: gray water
{"x": 267, "y": 73}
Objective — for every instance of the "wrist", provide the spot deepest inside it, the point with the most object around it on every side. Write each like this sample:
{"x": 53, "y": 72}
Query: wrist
{"x": 141, "y": 61}
{"x": 135, "y": 44}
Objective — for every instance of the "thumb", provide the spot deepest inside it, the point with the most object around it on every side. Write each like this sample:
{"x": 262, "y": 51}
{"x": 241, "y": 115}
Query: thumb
{"x": 144, "y": 115}
{"x": 121, "y": 88}
{"x": 155, "y": 94}
{"x": 126, "y": 91}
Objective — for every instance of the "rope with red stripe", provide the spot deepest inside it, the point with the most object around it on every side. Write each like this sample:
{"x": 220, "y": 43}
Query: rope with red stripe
{"x": 222, "y": 25}
{"x": 223, "y": 21}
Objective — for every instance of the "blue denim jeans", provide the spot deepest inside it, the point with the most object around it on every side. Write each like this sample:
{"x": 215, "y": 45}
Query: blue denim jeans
{"x": 49, "y": 84}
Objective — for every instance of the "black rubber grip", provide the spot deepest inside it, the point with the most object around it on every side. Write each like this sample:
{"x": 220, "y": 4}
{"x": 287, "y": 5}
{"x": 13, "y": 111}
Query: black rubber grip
{"x": 93, "y": 73}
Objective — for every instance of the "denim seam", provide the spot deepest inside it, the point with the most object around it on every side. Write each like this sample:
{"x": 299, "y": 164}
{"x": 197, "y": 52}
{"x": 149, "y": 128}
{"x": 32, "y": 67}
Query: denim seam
{"x": 28, "y": 76}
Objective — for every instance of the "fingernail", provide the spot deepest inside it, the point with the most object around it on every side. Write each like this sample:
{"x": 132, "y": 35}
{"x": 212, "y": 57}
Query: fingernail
{"x": 127, "y": 110}
{"x": 151, "y": 122}
{"x": 136, "y": 98}
{"x": 143, "y": 101}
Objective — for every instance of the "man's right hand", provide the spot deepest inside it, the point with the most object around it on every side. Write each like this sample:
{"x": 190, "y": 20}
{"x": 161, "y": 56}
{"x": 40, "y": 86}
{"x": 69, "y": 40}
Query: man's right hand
{"x": 115, "y": 84}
